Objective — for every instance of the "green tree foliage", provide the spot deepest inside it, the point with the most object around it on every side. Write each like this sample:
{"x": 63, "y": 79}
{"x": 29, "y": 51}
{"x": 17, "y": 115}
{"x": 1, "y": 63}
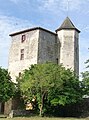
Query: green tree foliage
{"x": 85, "y": 79}
{"x": 51, "y": 83}
{"x": 7, "y": 88}
{"x": 85, "y": 82}
{"x": 87, "y": 62}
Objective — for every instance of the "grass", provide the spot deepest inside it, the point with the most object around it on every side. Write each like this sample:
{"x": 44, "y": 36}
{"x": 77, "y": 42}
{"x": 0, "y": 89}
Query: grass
{"x": 42, "y": 118}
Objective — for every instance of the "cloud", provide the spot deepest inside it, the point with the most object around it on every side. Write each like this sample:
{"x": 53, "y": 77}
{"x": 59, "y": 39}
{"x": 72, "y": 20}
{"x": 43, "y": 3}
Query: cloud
{"x": 86, "y": 28}
{"x": 20, "y": 1}
{"x": 57, "y": 5}
{"x": 23, "y": 3}
{"x": 8, "y": 25}
{"x": 72, "y": 4}
{"x": 14, "y": 1}
{"x": 54, "y": 6}
{"x": 25, "y": 7}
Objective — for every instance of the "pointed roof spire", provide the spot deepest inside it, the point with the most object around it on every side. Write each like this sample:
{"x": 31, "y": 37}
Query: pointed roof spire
{"x": 67, "y": 24}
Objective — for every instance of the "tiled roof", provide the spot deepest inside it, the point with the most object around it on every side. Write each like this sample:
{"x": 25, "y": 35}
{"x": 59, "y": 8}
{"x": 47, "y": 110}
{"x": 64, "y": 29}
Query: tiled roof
{"x": 67, "y": 24}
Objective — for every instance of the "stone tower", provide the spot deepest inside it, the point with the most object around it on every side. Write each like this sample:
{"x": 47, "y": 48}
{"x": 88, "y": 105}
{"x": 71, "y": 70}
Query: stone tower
{"x": 38, "y": 45}
{"x": 68, "y": 40}
{"x": 30, "y": 46}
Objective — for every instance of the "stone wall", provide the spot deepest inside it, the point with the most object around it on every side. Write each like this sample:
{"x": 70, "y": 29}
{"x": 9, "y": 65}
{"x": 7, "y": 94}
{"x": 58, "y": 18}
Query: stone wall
{"x": 41, "y": 46}
{"x": 47, "y": 47}
{"x": 69, "y": 50}
{"x": 8, "y": 107}
{"x": 30, "y": 46}
{"x": 22, "y": 113}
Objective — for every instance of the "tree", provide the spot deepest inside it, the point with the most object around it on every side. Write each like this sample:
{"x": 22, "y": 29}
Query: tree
{"x": 87, "y": 62}
{"x": 7, "y": 87}
{"x": 50, "y": 82}
{"x": 85, "y": 79}
{"x": 85, "y": 82}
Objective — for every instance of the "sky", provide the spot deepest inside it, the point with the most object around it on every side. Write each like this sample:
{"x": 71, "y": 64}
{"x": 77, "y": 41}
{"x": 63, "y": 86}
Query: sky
{"x": 18, "y": 15}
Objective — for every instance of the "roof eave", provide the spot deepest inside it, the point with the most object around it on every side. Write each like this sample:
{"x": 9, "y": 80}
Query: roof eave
{"x": 67, "y": 29}
{"x": 27, "y": 30}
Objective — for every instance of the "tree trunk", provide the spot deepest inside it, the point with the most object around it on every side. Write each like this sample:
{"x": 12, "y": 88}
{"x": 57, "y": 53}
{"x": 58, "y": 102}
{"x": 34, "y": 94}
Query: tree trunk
{"x": 41, "y": 110}
{"x": 41, "y": 105}
{"x": 0, "y": 107}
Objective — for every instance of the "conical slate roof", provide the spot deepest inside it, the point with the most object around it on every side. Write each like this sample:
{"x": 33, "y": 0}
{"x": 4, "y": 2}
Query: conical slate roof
{"x": 67, "y": 24}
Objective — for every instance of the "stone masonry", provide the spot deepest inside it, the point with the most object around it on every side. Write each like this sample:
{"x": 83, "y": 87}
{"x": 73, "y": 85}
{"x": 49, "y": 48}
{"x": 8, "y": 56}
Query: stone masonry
{"x": 38, "y": 45}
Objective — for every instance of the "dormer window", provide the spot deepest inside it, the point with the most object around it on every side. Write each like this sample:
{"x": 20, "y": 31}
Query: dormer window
{"x": 23, "y": 38}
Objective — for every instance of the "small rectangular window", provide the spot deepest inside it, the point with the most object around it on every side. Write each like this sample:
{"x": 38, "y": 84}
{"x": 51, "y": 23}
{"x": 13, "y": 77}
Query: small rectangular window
{"x": 22, "y": 54}
{"x": 19, "y": 74}
{"x": 23, "y": 38}
{"x": 57, "y": 60}
{"x": 22, "y": 51}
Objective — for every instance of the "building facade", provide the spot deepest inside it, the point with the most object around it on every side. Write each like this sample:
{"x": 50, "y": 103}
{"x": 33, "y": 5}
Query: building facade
{"x": 38, "y": 45}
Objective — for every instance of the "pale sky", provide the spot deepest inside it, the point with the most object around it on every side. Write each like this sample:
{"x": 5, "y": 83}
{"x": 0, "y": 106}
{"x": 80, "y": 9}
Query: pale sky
{"x": 22, "y": 14}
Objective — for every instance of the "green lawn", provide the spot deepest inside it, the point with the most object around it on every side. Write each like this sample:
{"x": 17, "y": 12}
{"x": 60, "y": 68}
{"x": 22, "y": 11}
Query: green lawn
{"x": 41, "y": 118}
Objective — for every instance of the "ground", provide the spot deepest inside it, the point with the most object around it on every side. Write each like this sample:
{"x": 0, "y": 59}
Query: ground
{"x": 42, "y": 118}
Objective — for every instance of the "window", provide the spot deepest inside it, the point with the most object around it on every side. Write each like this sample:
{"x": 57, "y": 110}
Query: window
{"x": 23, "y": 38}
{"x": 57, "y": 60}
{"x": 22, "y": 54}
{"x": 19, "y": 74}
